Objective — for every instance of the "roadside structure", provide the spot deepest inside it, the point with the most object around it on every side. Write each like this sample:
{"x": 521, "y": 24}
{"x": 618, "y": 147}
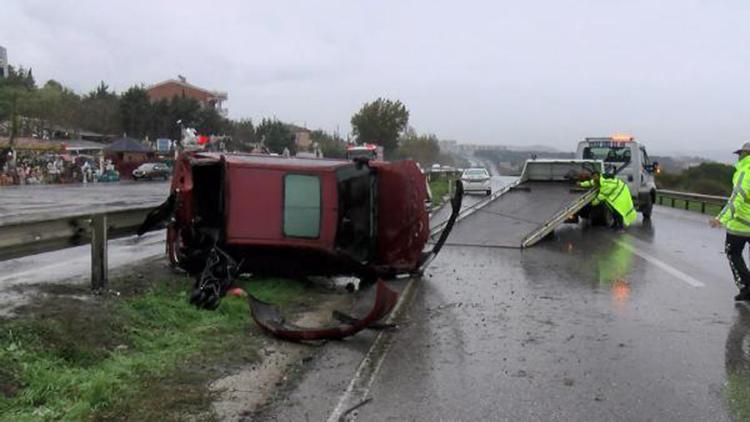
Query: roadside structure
{"x": 180, "y": 87}
{"x": 302, "y": 138}
{"x": 3, "y": 62}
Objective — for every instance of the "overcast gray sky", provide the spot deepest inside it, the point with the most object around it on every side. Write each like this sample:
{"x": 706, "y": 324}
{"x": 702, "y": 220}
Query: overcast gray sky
{"x": 674, "y": 73}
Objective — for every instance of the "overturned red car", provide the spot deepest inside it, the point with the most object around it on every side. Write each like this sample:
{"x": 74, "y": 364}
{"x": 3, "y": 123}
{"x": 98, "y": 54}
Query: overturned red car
{"x": 293, "y": 217}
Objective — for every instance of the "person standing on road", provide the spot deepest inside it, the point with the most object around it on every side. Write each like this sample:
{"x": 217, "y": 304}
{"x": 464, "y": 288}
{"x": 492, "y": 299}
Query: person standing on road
{"x": 616, "y": 194}
{"x": 735, "y": 217}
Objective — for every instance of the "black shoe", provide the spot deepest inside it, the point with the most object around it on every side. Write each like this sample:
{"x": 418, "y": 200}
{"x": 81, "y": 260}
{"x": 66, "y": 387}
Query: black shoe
{"x": 743, "y": 296}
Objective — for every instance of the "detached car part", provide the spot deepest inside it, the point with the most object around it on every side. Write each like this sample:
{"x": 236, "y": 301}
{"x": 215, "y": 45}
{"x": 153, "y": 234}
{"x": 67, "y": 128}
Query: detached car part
{"x": 272, "y": 321}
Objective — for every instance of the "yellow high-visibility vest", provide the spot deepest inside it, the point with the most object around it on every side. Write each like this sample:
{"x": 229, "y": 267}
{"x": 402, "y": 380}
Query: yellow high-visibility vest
{"x": 735, "y": 215}
{"x": 616, "y": 194}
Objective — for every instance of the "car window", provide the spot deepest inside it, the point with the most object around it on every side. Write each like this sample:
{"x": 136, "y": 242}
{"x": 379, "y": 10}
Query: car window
{"x": 301, "y": 206}
{"x": 476, "y": 172}
{"x": 646, "y": 160}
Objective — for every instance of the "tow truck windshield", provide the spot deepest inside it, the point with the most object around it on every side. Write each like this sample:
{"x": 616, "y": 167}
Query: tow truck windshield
{"x": 609, "y": 154}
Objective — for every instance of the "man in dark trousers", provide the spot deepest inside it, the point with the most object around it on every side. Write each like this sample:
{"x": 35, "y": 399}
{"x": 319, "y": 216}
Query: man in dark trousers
{"x": 735, "y": 217}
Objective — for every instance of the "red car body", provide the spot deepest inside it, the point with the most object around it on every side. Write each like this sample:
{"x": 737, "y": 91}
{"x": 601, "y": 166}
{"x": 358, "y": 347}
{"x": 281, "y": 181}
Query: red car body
{"x": 296, "y": 216}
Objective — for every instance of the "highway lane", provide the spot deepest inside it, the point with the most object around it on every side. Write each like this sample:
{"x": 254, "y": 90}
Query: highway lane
{"x": 442, "y": 214}
{"x": 589, "y": 325}
{"x": 18, "y": 203}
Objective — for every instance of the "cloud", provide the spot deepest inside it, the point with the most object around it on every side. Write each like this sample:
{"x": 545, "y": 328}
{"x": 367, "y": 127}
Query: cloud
{"x": 673, "y": 72}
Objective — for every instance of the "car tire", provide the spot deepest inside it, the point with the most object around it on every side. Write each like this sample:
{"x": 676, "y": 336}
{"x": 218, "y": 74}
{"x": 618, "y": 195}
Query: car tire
{"x": 489, "y": 192}
{"x": 647, "y": 208}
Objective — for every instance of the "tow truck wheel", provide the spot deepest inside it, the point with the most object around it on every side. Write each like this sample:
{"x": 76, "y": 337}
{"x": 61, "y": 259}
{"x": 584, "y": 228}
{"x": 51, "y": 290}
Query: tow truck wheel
{"x": 647, "y": 208}
{"x": 601, "y": 216}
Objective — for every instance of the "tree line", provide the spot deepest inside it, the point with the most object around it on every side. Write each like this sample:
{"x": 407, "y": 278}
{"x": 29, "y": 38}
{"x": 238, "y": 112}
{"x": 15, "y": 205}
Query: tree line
{"x": 705, "y": 178}
{"x": 31, "y": 110}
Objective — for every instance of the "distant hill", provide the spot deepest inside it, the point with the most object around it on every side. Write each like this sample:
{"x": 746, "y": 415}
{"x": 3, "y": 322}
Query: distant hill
{"x": 510, "y": 162}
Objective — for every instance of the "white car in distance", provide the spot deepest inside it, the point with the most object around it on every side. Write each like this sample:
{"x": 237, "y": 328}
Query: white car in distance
{"x": 477, "y": 180}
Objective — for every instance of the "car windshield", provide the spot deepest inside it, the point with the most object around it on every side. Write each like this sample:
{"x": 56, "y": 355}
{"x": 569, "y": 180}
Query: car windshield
{"x": 608, "y": 154}
{"x": 475, "y": 172}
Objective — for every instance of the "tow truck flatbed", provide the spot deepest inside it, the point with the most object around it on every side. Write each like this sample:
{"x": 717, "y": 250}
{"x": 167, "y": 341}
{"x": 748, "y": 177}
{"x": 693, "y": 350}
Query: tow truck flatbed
{"x": 526, "y": 211}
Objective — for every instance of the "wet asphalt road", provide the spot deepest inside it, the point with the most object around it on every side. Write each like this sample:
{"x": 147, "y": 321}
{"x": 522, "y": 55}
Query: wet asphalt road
{"x": 444, "y": 212}
{"x": 23, "y": 203}
{"x": 18, "y": 203}
{"x": 590, "y": 325}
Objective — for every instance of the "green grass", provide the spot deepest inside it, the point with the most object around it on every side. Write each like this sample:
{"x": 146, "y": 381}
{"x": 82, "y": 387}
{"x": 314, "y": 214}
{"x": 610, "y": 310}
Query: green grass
{"x": 126, "y": 358}
{"x": 439, "y": 189}
{"x": 711, "y": 209}
{"x": 737, "y": 394}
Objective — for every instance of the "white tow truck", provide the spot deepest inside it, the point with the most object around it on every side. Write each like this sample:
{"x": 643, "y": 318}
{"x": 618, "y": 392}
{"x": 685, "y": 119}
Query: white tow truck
{"x": 627, "y": 159}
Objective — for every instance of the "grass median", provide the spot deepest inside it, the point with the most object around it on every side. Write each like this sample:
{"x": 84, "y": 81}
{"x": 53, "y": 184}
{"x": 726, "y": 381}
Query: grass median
{"x": 440, "y": 189}
{"x": 143, "y": 356}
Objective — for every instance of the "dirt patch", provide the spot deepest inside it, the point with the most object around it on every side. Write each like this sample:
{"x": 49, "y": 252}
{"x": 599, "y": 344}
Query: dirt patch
{"x": 244, "y": 392}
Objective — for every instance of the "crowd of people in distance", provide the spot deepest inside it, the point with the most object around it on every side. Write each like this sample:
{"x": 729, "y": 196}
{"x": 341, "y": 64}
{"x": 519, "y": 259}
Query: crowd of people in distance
{"x": 36, "y": 167}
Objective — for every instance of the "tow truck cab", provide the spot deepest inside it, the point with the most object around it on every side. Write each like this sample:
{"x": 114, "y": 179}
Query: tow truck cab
{"x": 628, "y": 159}
{"x": 297, "y": 216}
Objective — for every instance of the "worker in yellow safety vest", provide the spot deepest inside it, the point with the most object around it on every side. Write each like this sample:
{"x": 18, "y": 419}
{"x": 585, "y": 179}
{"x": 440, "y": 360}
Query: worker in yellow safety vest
{"x": 735, "y": 216}
{"x": 615, "y": 193}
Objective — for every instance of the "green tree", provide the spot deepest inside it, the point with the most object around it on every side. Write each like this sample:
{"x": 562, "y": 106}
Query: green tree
{"x": 241, "y": 133}
{"x": 100, "y": 111}
{"x": 19, "y": 77}
{"x": 705, "y": 178}
{"x": 380, "y": 122}
{"x": 54, "y": 104}
{"x": 422, "y": 148}
{"x": 210, "y": 122}
{"x": 135, "y": 112}
{"x": 275, "y": 135}
{"x": 331, "y": 146}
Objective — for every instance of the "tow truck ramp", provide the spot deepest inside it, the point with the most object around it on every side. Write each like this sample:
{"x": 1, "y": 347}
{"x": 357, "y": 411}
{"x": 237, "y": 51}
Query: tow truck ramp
{"x": 526, "y": 211}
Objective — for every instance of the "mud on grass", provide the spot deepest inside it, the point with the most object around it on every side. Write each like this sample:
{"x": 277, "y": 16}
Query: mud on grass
{"x": 146, "y": 354}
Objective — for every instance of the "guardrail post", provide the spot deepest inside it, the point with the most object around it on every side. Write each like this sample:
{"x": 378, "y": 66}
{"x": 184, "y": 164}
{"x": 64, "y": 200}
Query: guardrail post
{"x": 703, "y": 207}
{"x": 661, "y": 199}
{"x": 99, "y": 279}
{"x": 687, "y": 204}
{"x": 672, "y": 202}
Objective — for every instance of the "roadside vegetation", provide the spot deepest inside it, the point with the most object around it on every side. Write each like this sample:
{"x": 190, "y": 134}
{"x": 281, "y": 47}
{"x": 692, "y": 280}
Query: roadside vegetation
{"x": 440, "y": 186}
{"x": 737, "y": 392}
{"x": 147, "y": 356}
{"x": 705, "y": 178}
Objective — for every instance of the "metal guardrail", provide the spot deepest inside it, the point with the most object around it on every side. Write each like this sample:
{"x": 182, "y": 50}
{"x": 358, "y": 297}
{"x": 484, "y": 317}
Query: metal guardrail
{"x": 33, "y": 237}
{"x": 687, "y": 198}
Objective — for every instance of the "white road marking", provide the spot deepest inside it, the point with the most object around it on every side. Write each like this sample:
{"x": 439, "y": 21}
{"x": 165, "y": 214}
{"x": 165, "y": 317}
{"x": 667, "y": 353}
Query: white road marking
{"x": 662, "y": 265}
{"x": 359, "y": 386}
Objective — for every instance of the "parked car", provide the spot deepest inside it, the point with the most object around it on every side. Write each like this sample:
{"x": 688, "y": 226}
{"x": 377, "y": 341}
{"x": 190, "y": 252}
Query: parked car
{"x": 477, "y": 180}
{"x": 151, "y": 171}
